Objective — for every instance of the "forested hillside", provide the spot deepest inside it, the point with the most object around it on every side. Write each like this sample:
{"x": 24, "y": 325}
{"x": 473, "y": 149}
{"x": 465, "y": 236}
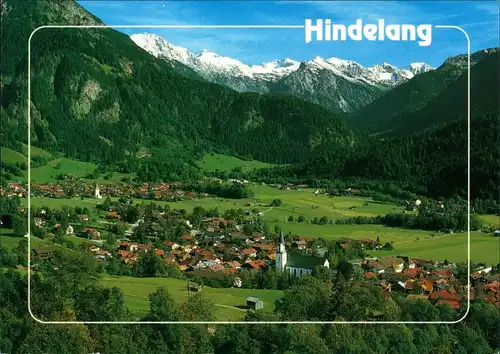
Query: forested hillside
{"x": 434, "y": 97}
{"x": 96, "y": 96}
{"x": 433, "y": 163}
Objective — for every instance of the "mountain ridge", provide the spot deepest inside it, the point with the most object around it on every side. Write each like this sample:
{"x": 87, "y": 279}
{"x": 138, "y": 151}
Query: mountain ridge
{"x": 278, "y": 76}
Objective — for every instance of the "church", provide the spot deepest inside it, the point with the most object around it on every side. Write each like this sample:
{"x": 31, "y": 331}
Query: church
{"x": 296, "y": 264}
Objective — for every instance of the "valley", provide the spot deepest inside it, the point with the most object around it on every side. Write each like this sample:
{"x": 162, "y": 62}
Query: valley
{"x": 171, "y": 184}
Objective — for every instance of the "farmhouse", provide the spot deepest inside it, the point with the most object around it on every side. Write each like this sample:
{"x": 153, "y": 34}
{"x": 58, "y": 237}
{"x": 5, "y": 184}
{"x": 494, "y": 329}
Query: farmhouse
{"x": 295, "y": 264}
{"x": 44, "y": 252}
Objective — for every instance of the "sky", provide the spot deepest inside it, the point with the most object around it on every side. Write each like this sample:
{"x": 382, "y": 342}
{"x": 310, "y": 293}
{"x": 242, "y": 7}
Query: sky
{"x": 480, "y": 19}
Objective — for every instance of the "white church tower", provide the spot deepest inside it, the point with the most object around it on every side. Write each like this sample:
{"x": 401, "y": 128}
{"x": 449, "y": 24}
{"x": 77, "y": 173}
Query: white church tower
{"x": 281, "y": 256}
{"x": 97, "y": 193}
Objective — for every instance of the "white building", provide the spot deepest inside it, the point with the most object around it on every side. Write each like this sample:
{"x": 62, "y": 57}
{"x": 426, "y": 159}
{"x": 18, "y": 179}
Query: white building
{"x": 97, "y": 194}
{"x": 296, "y": 264}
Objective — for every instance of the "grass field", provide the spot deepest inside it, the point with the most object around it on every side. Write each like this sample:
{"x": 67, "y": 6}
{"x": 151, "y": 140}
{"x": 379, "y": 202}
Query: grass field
{"x": 210, "y": 163}
{"x": 489, "y": 220}
{"x": 484, "y": 248}
{"x": 48, "y": 173}
{"x": 10, "y": 241}
{"x": 10, "y": 156}
{"x": 36, "y": 151}
{"x": 228, "y": 301}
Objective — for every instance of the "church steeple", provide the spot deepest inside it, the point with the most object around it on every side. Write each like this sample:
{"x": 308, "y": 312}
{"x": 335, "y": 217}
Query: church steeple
{"x": 281, "y": 255}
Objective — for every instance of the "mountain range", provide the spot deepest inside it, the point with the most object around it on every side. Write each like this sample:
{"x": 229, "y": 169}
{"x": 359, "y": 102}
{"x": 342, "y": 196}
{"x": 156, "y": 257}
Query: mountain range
{"x": 97, "y": 96}
{"x": 340, "y": 85}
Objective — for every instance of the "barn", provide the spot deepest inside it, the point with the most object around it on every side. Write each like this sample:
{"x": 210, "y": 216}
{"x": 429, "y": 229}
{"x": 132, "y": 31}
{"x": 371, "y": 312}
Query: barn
{"x": 255, "y": 303}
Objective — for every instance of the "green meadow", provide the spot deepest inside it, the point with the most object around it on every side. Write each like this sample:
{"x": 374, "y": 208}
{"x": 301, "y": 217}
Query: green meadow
{"x": 10, "y": 156}
{"x": 453, "y": 247}
{"x": 10, "y": 241}
{"x": 493, "y": 220}
{"x": 36, "y": 151}
{"x": 229, "y": 302}
{"x": 213, "y": 162}
{"x": 49, "y": 172}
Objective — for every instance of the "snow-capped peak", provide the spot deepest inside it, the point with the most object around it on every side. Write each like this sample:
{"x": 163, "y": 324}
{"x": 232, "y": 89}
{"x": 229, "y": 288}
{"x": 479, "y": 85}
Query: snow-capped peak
{"x": 212, "y": 65}
{"x": 418, "y": 68}
{"x": 158, "y": 46}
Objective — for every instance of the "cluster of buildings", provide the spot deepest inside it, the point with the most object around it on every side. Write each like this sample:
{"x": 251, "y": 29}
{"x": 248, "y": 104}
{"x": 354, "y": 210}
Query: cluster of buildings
{"x": 430, "y": 281}
{"x": 159, "y": 191}
{"x": 226, "y": 257}
{"x": 14, "y": 189}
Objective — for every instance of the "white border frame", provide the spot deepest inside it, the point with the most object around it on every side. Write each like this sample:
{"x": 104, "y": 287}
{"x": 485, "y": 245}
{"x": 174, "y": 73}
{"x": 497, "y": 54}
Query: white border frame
{"x": 237, "y": 322}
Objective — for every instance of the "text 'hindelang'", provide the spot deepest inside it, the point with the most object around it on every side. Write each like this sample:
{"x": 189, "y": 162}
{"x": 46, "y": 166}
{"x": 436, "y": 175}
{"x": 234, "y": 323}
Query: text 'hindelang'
{"x": 325, "y": 30}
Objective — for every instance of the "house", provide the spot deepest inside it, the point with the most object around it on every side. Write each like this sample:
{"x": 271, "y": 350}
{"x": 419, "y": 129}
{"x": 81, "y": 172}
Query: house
{"x": 301, "y": 245}
{"x": 83, "y": 217}
{"x": 69, "y": 230}
{"x": 112, "y": 215}
{"x": 250, "y": 252}
{"x": 367, "y": 243}
{"x": 444, "y": 295}
{"x": 255, "y": 303}
{"x": 171, "y": 245}
{"x": 44, "y": 252}
{"x": 295, "y": 264}
{"x": 91, "y": 233}
{"x": 387, "y": 264}
{"x": 369, "y": 275}
{"x": 426, "y": 285}
{"x": 496, "y": 233}
{"x": 170, "y": 259}
{"x": 268, "y": 247}
{"x": 255, "y": 264}
{"x": 39, "y": 222}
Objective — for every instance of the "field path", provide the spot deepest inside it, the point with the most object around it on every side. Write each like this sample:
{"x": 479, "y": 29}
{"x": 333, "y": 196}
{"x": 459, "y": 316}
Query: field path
{"x": 231, "y": 307}
{"x": 263, "y": 212}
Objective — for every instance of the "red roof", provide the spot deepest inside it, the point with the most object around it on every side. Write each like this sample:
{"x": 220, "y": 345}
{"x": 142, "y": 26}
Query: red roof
{"x": 249, "y": 251}
{"x": 444, "y": 273}
{"x": 159, "y": 252}
{"x": 493, "y": 286}
{"x": 257, "y": 264}
{"x": 444, "y": 295}
{"x": 369, "y": 275}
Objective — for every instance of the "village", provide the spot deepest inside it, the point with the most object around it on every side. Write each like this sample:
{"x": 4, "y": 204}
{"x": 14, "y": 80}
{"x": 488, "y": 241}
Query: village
{"x": 223, "y": 247}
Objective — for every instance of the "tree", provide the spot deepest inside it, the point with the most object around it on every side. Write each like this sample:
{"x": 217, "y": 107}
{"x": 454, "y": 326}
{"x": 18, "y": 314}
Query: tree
{"x": 132, "y": 214}
{"x": 111, "y": 239}
{"x": 276, "y": 203}
{"x": 301, "y": 218}
{"x": 20, "y": 225}
{"x": 290, "y": 218}
{"x": 162, "y": 306}
{"x": 198, "y": 308}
